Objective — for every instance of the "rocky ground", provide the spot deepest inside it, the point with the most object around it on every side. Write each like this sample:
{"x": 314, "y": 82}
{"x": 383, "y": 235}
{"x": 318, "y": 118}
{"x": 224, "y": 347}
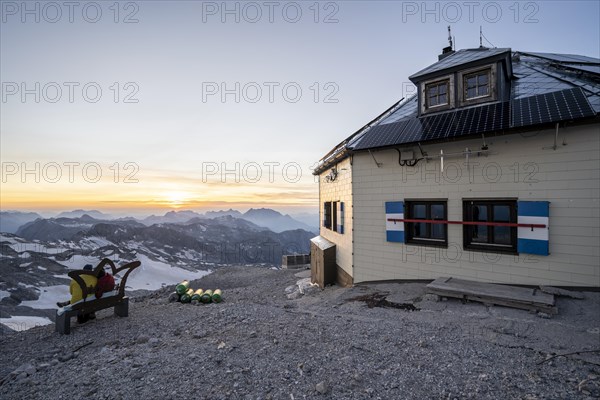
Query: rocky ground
{"x": 260, "y": 344}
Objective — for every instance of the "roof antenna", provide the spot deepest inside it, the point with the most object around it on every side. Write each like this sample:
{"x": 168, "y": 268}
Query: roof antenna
{"x": 450, "y": 38}
{"x": 480, "y": 37}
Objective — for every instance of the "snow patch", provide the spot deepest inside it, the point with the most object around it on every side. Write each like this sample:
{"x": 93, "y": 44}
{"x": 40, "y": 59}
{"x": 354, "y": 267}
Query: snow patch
{"x": 98, "y": 241}
{"x": 8, "y": 239}
{"x": 151, "y": 275}
{"x": 3, "y": 294}
{"x": 21, "y": 323}
{"x": 49, "y": 295}
{"x": 20, "y": 247}
{"x": 77, "y": 261}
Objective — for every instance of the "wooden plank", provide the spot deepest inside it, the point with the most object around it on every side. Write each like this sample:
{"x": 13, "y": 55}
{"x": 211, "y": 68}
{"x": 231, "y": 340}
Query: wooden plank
{"x": 499, "y": 302}
{"x": 562, "y": 292}
{"x": 489, "y": 293}
{"x": 490, "y": 290}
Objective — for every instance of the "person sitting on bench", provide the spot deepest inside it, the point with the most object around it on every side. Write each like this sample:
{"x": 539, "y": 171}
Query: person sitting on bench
{"x": 76, "y": 294}
{"x": 106, "y": 283}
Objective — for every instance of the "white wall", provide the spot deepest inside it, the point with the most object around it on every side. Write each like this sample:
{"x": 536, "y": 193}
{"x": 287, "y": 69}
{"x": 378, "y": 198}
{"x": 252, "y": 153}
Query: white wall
{"x": 522, "y": 166}
{"x": 339, "y": 190}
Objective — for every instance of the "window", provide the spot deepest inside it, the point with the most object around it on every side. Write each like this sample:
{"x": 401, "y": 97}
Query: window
{"x": 477, "y": 84}
{"x": 490, "y": 237}
{"x": 424, "y": 232}
{"x": 437, "y": 93}
{"x": 333, "y": 216}
{"x": 327, "y": 214}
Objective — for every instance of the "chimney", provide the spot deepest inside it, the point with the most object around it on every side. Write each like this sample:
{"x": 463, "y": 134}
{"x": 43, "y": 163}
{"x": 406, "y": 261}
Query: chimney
{"x": 446, "y": 51}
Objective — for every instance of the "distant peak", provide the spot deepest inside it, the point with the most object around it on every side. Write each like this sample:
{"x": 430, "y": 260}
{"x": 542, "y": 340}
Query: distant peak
{"x": 262, "y": 211}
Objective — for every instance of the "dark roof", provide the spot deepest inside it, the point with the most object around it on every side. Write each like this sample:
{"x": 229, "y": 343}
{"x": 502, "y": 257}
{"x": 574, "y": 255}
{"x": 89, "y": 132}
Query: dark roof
{"x": 542, "y": 91}
{"x": 565, "y": 58}
{"x": 460, "y": 58}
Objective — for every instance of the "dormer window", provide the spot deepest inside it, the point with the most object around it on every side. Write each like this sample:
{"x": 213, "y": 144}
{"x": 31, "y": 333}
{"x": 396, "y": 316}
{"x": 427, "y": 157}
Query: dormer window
{"x": 437, "y": 93}
{"x": 477, "y": 85}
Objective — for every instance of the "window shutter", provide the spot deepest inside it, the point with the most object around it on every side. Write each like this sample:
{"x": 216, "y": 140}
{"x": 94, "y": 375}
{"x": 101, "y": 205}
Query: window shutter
{"x": 394, "y": 230}
{"x": 533, "y": 241}
{"x": 340, "y": 217}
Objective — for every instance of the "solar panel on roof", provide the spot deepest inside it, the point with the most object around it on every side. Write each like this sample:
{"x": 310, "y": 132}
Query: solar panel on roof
{"x": 413, "y": 131}
{"x": 409, "y": 108}
{"x": 381, "y": 136}
{"x": 480, "y": 119}
{"x": 594, "y": 69}
{"x": 563, "y": 105}
{"x": 436, "y": 127}
{"x": 566, "y": 58}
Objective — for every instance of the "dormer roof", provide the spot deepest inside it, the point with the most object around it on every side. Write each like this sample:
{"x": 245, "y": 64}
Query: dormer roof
{"x": 461, "y": 59}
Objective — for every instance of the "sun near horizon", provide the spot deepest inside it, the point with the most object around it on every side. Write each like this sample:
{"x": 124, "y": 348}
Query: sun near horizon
{"x": 151, "y": 194}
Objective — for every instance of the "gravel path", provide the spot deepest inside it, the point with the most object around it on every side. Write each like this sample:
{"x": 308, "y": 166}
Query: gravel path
{"x": 258, "y": 344}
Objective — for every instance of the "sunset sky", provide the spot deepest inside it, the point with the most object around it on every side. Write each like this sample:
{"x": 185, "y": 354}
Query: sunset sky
{"x": 153, "y": 106}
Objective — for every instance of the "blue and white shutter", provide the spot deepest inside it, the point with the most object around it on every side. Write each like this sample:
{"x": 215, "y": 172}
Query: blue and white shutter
{"x": 340, "y": 217}
{"x": 394, "y": 229}
{"x": 533, "y": 241}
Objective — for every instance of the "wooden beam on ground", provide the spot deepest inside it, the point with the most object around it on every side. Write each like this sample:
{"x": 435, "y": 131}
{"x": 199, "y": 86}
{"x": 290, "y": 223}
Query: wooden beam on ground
{"x": 490, "y": 293}
{"x": 562, "y": 292}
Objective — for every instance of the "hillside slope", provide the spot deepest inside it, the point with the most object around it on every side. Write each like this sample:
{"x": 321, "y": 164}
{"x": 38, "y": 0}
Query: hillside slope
{"x": 259, "y": 344}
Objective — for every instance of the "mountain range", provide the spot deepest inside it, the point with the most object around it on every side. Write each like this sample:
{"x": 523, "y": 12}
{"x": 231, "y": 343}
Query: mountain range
{"x": 264, "y": 217}
{"x": 11, "y": 221}
{"x": 180, "y": 245}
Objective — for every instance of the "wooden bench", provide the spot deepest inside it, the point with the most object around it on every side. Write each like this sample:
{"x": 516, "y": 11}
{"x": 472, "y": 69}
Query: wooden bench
{"x": 116, "y": 298}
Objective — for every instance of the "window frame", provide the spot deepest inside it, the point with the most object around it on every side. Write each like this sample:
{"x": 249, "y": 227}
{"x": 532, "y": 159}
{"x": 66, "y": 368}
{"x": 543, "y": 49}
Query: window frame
{"x": 327, "y": 214}
{"x": 492, "y": 82}
{"x": 489, "y": 246}
{"x": 443, "y": 82}
{"x": 409, "y": 226}
{"x": 423, "y": 98}
{"x": 330, "y": 215}
{"x": 476, "y": 74}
